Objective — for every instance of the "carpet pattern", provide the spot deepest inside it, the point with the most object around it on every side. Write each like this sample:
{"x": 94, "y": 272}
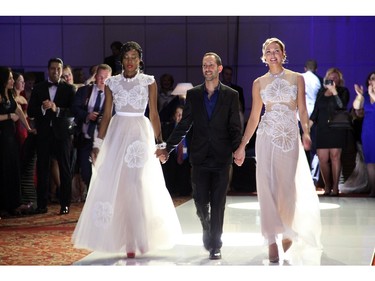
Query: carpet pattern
{"x": 44, "y": 239}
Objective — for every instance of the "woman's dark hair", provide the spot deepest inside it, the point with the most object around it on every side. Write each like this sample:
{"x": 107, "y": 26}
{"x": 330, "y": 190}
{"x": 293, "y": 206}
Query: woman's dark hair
{"x": 4, "y": 77}
{"x": 368, "y": 78}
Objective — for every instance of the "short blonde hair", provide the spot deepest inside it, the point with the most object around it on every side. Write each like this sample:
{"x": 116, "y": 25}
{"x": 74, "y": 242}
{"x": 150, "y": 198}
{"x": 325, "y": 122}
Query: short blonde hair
{"x": 278, "y": 42}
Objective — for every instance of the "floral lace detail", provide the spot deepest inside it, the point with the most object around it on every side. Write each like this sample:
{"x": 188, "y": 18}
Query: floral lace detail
{"x": 279, "y": 121}
{"x": 136, "y": 97}
{"x": 280, "y": 90}
{"x": 130, "y": 92}
{"x": 136, "y": 155}
{"x": 103, "y": 213}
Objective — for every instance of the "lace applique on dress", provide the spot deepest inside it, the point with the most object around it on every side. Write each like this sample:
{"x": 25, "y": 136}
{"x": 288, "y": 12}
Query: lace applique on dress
{"x": 130, "y": 95}
{"x": 279, "y": 121}
{"x": 102, "y": 214}
{"x": 136, "y": 155}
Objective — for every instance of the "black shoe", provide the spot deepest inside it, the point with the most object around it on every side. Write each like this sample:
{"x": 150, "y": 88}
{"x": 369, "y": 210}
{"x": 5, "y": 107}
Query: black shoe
{"x": 215, "y": 254}
{"x": 41, "y": 210}
{"x": 64, "y": 210}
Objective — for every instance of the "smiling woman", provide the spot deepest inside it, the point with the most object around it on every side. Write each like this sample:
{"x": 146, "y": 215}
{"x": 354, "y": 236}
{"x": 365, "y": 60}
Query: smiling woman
{"x": 289, "y": 205}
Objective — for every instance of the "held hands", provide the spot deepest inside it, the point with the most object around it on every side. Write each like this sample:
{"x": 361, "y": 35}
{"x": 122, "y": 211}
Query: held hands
{"x": 162, "y": 154}
{"x": 306, "y": 141}
{"x": 239, "y": 156}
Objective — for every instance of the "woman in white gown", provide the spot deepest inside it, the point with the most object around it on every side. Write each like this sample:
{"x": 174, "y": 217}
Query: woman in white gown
{"x": 289, "y": 205}
{"x": 128, "y": 208}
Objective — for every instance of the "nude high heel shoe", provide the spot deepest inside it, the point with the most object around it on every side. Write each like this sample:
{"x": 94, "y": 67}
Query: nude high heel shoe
{"x": 273, "y": 253}
{"x": 287, "y": 243}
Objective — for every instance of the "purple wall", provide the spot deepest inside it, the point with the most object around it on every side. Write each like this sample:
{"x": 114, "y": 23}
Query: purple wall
{"x": 176, "y": 44}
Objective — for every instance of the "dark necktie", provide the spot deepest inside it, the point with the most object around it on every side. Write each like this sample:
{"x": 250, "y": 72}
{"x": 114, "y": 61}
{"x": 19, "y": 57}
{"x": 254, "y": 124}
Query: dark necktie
{"x": 92, "y": 124}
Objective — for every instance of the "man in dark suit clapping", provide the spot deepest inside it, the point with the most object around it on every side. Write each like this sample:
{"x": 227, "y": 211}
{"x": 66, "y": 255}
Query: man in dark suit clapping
{"x": 50, "y": 104}
{"x": 212, "y": 108}
{"x": 88, "y": 109}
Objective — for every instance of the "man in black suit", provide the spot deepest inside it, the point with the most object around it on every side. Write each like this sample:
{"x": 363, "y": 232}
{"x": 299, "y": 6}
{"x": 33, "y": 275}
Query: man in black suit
{"x": 114, "y": 60}
{"x": 88, "y": 117}
{"x": 50, "y": 105}
{"x": 212, "y": 109}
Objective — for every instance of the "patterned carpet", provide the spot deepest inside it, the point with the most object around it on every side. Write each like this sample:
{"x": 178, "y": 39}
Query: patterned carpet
{"x": 44, "y": 239}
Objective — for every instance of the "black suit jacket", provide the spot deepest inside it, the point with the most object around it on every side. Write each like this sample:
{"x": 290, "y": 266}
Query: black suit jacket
{"x": 61, "y": 122}
{"x": 80, "y": 104}
{"x": 213, "y": 140}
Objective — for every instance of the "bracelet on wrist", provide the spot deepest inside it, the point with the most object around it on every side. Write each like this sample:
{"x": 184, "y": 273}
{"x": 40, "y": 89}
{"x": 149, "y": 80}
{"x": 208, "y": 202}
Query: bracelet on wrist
{"x": 97, "y": 143}
{"x": 162, "y": 145}
{"x": 9, "y": 116}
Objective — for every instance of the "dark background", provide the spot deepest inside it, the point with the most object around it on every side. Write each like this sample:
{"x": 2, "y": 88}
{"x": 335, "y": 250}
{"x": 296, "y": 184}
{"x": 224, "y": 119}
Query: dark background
{"x": 176, "y": 44}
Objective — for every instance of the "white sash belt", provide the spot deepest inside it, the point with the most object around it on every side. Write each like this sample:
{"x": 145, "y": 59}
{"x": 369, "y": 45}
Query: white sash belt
{"x": 131, "y": 114}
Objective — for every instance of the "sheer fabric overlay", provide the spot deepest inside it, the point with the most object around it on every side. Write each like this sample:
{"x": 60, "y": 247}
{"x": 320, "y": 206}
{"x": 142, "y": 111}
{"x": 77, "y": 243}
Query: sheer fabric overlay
{"x": 128, "y": 207}
{"x": 286, "y": 192}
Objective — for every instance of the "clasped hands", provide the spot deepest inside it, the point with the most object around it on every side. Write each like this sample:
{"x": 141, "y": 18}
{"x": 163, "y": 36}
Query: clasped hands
{"x": 239, "y": 156}
{"x": 162, "y": 154}
{"x": 48, "y": 104}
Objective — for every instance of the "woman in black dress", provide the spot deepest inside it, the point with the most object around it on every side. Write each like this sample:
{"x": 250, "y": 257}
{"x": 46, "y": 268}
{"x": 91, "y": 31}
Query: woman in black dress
{"x": 330, "y": 141}
{"x": 10, "y": 186}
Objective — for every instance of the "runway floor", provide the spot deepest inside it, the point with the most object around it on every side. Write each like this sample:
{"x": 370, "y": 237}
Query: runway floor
{"x": 348, "y": 238}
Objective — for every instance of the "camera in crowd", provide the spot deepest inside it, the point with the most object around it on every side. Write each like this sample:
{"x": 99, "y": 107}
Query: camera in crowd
{"x": 328, "y": 82}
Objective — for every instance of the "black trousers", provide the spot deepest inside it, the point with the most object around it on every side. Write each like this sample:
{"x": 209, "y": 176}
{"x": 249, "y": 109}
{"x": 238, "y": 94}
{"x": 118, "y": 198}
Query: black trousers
{"x": 209, "y": 193}
{"x": 48, "y": 147}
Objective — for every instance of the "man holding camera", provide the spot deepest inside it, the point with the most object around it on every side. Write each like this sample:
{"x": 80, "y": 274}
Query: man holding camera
{"x": 88, "y": 110}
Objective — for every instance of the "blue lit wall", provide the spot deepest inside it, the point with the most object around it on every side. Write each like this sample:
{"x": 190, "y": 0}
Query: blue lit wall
{"x": 176, "y": 44}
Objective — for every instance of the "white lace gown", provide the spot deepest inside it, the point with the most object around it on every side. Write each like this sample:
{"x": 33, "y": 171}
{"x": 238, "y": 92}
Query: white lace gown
{"x": 128, "y": 207}
{"x": 289, "y": 204}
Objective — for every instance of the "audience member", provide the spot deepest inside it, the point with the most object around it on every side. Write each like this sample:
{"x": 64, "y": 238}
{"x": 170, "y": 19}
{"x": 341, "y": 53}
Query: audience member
{"x": 79, "y": 76}
{"x": 166, "y": 101}
{"x": 10, "y": 182}
{"x": 364, "y": 105}
{"x": 25, "y": 141}
{"x": 77, "y": 183}
{"x": 312, "y": 84}
{"x": 19, "y": 97}
{"x": 30, "y": 79}
{"x": 312, "y": 87}
{"x": 88, "y": 111}
{"x": 177, "y": 170}
{"x": 67, "y": 75}
{"x": 330, "y": 141}
{"x": 114, "y": 60}
{"x": 227, "y": 77}
{"x": 92, "y": 71}
{"x": 212, "y": 109}
{"x": 50, "y": 105}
